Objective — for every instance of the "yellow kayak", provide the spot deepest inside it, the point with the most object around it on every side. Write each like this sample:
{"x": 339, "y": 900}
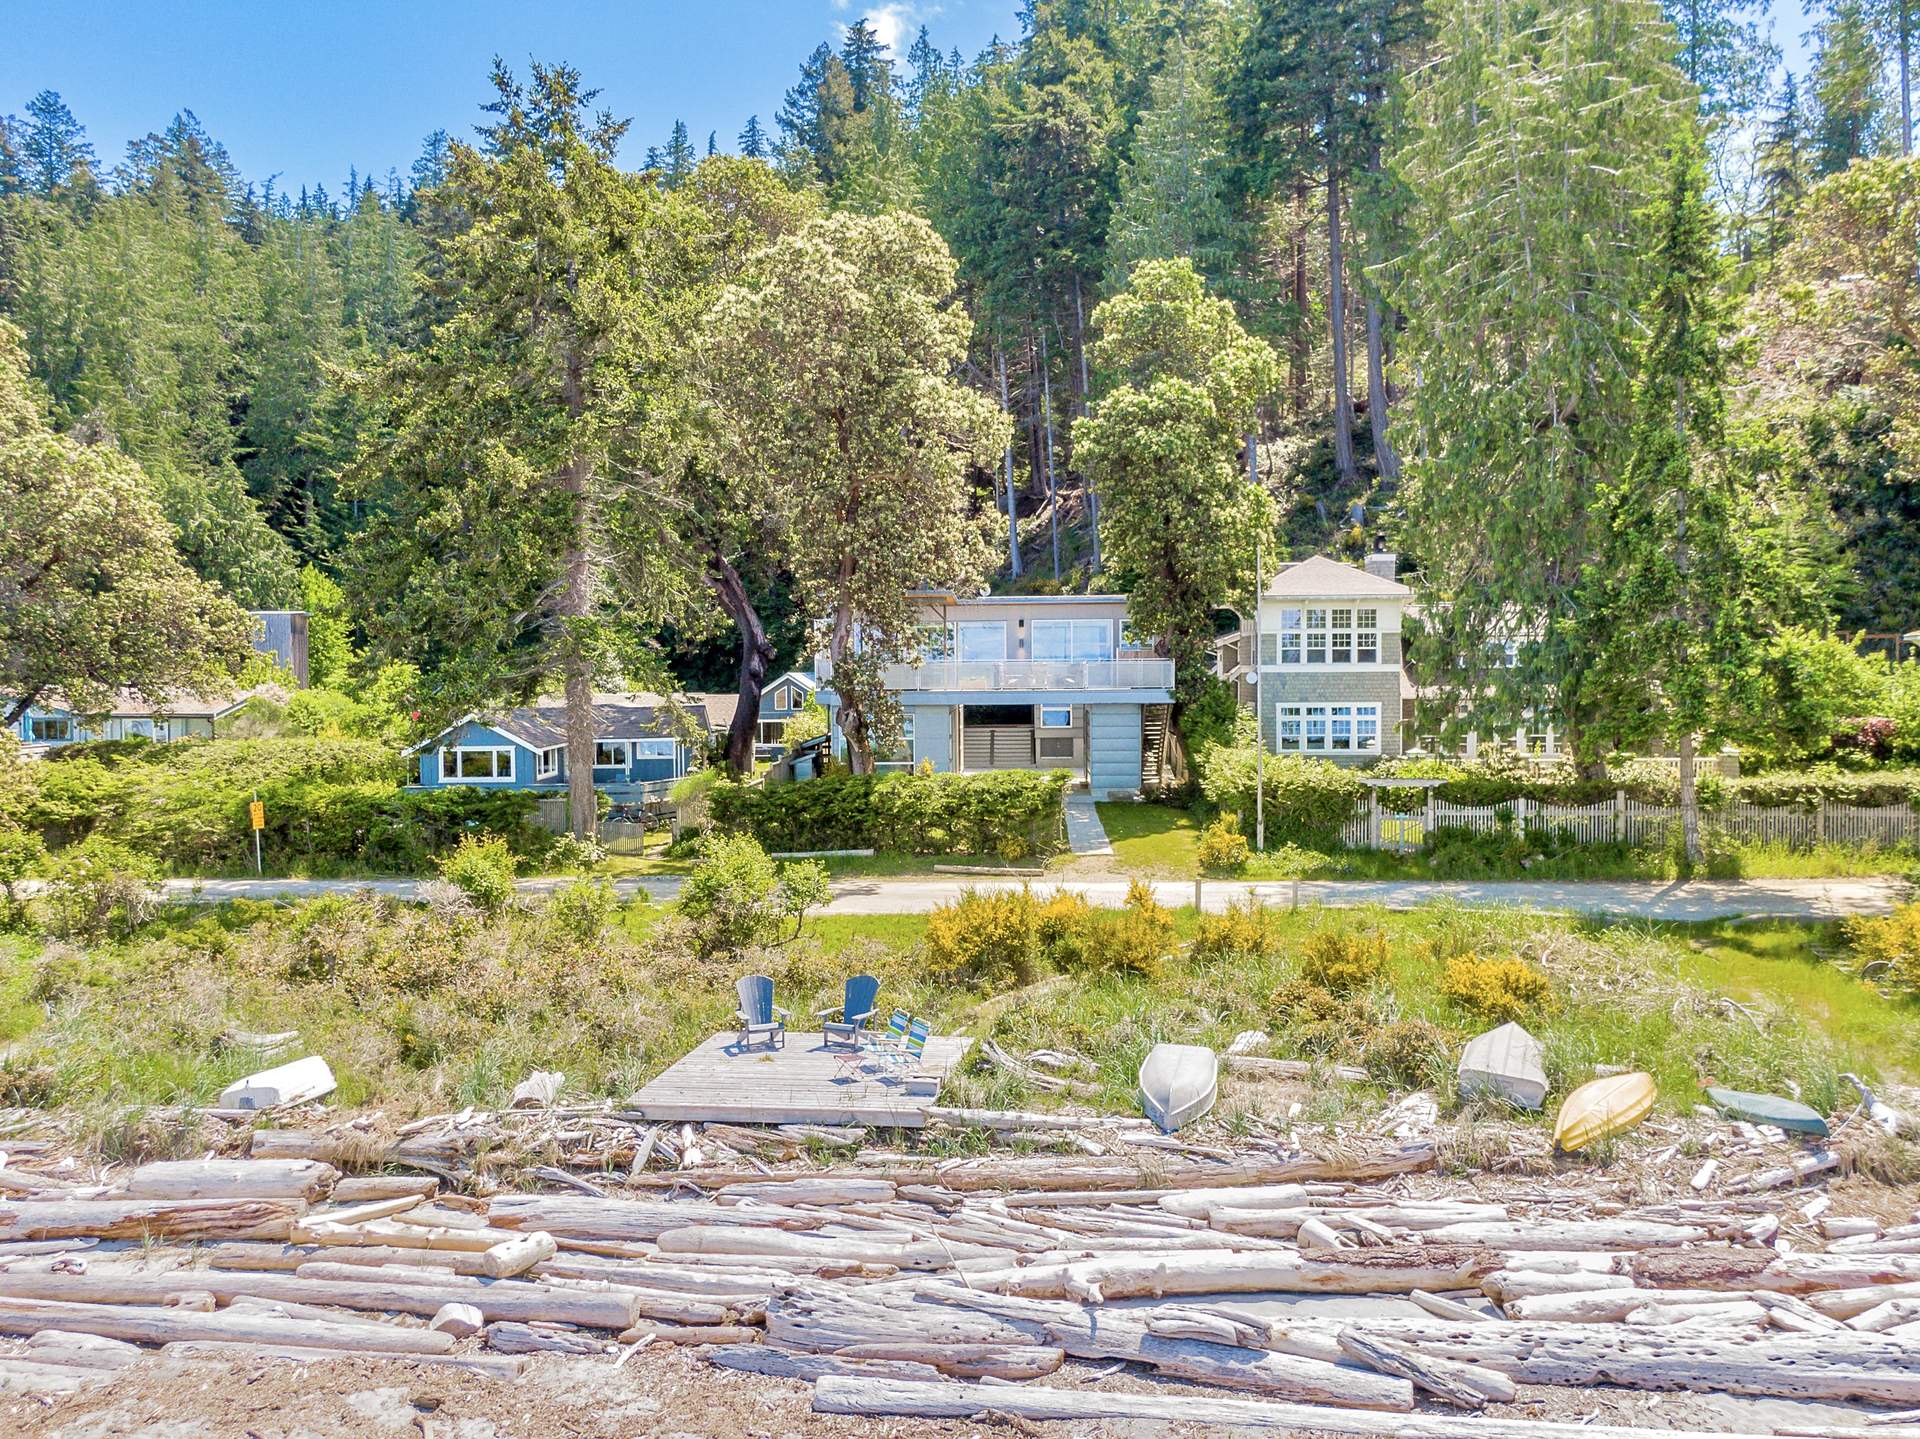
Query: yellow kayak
{"x": 1602, "y": 1109}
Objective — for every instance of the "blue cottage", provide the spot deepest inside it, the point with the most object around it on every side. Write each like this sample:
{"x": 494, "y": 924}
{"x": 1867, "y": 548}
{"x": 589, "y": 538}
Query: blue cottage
{"x": 639, "y": 739}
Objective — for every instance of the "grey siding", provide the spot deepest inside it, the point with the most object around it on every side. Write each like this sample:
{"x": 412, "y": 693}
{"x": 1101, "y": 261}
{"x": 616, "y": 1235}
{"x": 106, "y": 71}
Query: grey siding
{"x": 1113, "y": 749}
{"x": 933, "y": 735}
{"x": 1377, "y": 687}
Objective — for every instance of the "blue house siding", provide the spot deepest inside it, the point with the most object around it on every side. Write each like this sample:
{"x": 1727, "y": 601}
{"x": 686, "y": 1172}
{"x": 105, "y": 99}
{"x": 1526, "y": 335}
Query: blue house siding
{"x": 473, "y": 735}
{"x": 1113, "y": 749}
{"x": 933, "y": 736}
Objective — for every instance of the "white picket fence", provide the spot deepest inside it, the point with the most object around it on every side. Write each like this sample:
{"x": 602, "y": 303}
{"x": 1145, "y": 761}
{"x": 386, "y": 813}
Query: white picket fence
{"x": 1623, "y": 820}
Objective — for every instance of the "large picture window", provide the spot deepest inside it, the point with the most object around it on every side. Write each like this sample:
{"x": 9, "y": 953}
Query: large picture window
{"x": 477, "y": 764}
{"x": 1073, "y": 639}
{"x": 49, "y": 730}
{"x": 978, "y": 641}
{"x": 611, "y": 754}
{"x": 1337, "y": 634}
{"x": 1327, "y": 729}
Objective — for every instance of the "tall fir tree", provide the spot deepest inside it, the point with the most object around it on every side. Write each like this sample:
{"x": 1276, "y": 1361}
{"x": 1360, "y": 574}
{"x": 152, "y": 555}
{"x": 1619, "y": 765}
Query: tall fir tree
{"x": 1782, "y": 162}
{"x": 54, "y": 147}
{"x": 1173, "y": 186}
{"x": 1848, "y": 90}
{"x": 1664, "y": 605}
{"x": 678, "y": 159}
{"x": 753, "y": 140}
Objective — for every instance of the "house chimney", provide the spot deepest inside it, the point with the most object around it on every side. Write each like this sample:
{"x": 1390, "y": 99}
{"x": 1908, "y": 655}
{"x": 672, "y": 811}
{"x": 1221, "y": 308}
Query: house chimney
{"x": 1382, "y": 564}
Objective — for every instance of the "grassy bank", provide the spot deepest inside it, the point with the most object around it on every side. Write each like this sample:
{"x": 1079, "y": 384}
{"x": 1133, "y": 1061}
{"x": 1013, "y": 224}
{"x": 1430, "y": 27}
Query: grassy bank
{"x": 1162, "y": 842}
{"x": 421, "y": 1010}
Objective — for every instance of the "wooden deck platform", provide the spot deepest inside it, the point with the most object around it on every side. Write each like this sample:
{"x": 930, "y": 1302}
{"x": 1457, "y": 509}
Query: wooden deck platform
{"x": 802, "y": 1083}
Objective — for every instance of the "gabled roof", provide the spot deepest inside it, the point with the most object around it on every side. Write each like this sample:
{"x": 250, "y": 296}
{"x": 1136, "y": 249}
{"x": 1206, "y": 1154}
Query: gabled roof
{"x": 1320, "y": 578}
{"x": 720, "y": 708}
{"x": 615, "y": 716}
{"x": 125, "y": 704}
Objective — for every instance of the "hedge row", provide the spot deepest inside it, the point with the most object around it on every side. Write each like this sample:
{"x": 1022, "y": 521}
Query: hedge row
{"x": 395, "y": 830}
{"x": 1008, "y": 812}
{"x": 1309, "y": 800}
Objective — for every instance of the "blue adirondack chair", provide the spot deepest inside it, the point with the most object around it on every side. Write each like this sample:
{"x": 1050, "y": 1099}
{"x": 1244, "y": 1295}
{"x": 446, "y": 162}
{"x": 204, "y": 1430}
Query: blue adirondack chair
{"x": 758, "y": 1014}
{"x": 854, "y": 1010}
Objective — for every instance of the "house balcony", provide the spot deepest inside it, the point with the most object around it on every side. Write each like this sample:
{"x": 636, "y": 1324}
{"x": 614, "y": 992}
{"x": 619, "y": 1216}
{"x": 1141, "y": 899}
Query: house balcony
{"x": 1018, "y": 676}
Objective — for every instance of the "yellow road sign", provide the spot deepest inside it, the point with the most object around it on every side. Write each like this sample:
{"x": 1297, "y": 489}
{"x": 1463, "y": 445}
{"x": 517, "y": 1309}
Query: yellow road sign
{"x": 257, "y": 812}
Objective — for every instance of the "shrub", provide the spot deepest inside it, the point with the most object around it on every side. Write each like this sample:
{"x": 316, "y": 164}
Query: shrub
{"x": 1135, "y": 939}
{"x": 986, "y": 938}
{"x": 1813, "y": 684}
{"x": 581, "y": 909}
{"x": 481, "y": 867}
{"x": 1413, "y": 1052}
{"x": 1308, "y": 801}
{"x": 1223, "y": 849}
{"x": 1209, "y": 717}
{"x": 1318, "y": 1021}
{"x": 1060, "y": 917}
{"x": 571, "y": 852}
{"x": 1342, "y": 961}
{"x": 1498, "y": 990}
{"x": 736, "y": 897}
{"x": 21, "y": 855}
{"x": 1242, "y": 931}
{"x": 99, "y": 890}
{"x": 1886, "y": 948}
{"x": 913, "y": 812}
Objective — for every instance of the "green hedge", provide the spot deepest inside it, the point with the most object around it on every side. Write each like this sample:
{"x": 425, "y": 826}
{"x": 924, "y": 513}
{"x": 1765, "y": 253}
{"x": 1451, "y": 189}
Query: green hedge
{"x": 1307, "y": 800}
{"x": 184, "y": 804}
{"x": 1001, "y": 812}
{"x": 398, "y": 830}
{"x": 1809, "y": 788}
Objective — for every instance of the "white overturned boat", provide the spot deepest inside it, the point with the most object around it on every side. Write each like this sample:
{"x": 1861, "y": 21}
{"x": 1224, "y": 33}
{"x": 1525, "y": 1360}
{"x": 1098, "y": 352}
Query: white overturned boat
{"x": 1507, "y": 1063}
{"x": 1178, "y": 1084}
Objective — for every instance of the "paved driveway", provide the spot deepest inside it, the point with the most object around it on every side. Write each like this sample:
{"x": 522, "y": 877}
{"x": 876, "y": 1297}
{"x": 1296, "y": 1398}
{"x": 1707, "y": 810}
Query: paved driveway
{"x": 1690, "y": 900}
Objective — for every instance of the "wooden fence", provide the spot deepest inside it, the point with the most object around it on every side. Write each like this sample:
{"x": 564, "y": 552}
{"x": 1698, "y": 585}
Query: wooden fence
{"x": 638, "y": 810}
{"x": 1622, "y": 820}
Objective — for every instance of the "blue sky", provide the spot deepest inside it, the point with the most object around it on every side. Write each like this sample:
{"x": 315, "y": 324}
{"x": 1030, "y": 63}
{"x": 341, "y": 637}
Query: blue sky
{"x": 304, "y": 88}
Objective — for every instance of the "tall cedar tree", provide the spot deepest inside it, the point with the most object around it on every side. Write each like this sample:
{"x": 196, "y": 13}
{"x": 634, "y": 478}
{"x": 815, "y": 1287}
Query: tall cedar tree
{"x": 1180, "y": 379}
{"x": 1173, "y": 186}
{"x": 1664, "y": 607}
{"x": 1530, "y": 156}
{"x": 836, "y": 354}
{"x": 520, "y": 540}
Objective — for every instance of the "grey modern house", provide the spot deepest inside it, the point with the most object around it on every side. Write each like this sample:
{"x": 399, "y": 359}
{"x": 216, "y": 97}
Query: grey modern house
{"x": 1030, "y": 682}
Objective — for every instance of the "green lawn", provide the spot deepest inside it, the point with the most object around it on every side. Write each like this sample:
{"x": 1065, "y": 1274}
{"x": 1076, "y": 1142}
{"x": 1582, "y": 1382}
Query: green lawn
{"x": 1163, "y": 842}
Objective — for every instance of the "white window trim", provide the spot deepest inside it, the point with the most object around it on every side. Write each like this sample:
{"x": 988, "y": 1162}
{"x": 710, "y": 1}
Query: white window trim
{"x": 626, "y": 754}
{"x": 653, "y": 748}
{"x": 546, "y": 764}
{"x": 1309, "y": 710}
{"x": 1041, "y": 721}
{"x": 1293, "y": 623}
{"x": 465, "y": 749}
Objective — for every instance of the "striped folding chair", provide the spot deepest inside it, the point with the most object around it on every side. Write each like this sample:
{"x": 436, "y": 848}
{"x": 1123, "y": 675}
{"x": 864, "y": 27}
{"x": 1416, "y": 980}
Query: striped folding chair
{"x": 905, "y": 1057}
{"x": 874, "y": 1045}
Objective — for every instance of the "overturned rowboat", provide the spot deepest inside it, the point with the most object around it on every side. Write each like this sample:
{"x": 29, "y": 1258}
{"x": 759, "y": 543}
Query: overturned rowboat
{"x": 1601, "y": 1109}
{"x": 1506, "y": 1063}
{"x": 1774, "y": 1109}
{"x": 1178, "y": 1084}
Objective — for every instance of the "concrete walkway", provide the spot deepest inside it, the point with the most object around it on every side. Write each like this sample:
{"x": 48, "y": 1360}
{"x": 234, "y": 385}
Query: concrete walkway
{"x": 1085, "y": 834}
{"x": 1691, "y": 900}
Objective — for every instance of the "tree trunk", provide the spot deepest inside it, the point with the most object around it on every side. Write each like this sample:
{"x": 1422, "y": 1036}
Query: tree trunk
{"x": 1384, "y": 455}
{"x": 1689, "y": 800}
{"x": 1086, "y": 399}
{"x": 1343, "y": 461}
{"x": 1046, "y": 410}
{"x": 853, "y": 715}
{"x": 18, "y": 710}
{"x": 1906, "y": 88}
{"x": 576, "y": 608}
{"x": 1013, "y": 506}
{"x": 1301, "y": 355}
{"x": 756, "y": 657}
